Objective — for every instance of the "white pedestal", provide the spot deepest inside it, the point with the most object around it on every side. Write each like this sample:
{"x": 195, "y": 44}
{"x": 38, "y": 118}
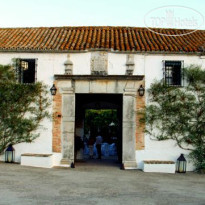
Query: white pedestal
{"x": 159, "y": 166}
{"x": 37, "y": 160}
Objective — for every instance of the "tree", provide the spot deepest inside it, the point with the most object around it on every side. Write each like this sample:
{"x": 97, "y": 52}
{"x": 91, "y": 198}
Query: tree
{"x": 96, "y": 120}
{"x": 100, "y": 118}
{"x": 22, "y": 108}
{"x": 178, "y": 113}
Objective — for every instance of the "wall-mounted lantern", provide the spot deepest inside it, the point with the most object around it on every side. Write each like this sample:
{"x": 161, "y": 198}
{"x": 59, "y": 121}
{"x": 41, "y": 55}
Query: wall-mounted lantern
{"x": 68, "y": 66}
{"x": 53, "y": 90}
{"x": 10, "y": 154}
{"x": 141, "y": 91}
{"x": 181, "y": 164}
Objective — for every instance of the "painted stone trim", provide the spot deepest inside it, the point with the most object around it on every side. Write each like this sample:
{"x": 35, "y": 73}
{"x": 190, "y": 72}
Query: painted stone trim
{"x": 57, "y": 115}
{"x": 68, "y": 66}
{"x": 130, "y": 64}
{"x": 99, "y": 63}
{"x": 129, "y": 129}
{"x": 140, "y": 104}
{"x": 63, "y": 126}
{"x": 68, "y": 125}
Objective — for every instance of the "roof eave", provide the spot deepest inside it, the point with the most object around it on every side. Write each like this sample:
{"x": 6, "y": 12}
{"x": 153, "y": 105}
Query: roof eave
{"x": 94, "y": 50}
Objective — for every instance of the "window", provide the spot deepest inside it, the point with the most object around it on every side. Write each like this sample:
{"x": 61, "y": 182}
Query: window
{"x": 173, "y": 73}
{"x": 26, "y": 70}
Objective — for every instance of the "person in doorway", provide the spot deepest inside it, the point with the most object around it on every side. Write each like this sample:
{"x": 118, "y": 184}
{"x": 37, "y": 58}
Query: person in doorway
{"x": 91, "y": 142}
{"x": 98, "y": 145}
{"x": 85, "y": 139}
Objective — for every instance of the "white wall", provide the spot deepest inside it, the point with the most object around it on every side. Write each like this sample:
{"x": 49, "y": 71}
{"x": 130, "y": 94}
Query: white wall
{"x": 153, "y": 65}
{"x": 149, "y": 65}
{"x": 163, "y": 150}
{"x": 117, "y": 64}
{"x": 48, "y": 64}
{"x": 45, "y": 69}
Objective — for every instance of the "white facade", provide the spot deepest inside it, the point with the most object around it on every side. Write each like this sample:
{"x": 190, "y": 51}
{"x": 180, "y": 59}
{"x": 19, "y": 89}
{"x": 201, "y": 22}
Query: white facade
{"x": 147, "y": 64}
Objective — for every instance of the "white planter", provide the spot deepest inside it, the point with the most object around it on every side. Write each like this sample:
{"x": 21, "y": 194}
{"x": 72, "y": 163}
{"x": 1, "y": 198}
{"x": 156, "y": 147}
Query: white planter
{"x": 159, "y": 166}
{"x": 37, "y": 160}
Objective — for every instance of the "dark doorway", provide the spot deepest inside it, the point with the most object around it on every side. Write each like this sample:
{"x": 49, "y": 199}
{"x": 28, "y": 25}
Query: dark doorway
{"x": 98, "y": 113}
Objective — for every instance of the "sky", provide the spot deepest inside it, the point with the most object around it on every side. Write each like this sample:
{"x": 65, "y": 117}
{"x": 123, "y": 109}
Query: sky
{"x": 49, "y": 13}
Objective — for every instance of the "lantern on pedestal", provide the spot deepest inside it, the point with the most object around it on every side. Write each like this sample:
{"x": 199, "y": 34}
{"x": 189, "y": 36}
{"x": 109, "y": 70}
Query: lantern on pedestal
{"x": 10, "y": 154}
{"x": 181, "y": 164}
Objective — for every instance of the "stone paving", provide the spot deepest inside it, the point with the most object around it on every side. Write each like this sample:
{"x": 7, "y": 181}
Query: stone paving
{"x": 97, "y": 182}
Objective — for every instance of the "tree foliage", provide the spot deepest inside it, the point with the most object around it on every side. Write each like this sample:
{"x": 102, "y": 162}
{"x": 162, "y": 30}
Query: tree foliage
{"x": 178, "y": 113}
{"x": 100, "y": 120}
{"x": 22, "y": 108}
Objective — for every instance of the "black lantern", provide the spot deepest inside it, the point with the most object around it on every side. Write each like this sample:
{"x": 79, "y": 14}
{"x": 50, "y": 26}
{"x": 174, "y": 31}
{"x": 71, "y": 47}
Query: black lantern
{"x": 181, "y": 164}
{"x": 141, "y": 90}
{"x": 53, "y": 90}
{"x": 10, "y": 154}
{"x": 72, "y": 165}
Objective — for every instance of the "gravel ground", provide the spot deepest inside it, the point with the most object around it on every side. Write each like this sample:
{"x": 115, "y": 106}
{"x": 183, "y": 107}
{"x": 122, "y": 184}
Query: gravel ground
{"x": 97, "y": 183}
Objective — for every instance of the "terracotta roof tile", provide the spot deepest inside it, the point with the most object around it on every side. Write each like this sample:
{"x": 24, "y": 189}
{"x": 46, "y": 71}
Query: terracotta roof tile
{"x": 93, "y": 38}
{"x": 65, "y": 42}
{"x": 89, "y": 39}
{"x": 115, "y": 38}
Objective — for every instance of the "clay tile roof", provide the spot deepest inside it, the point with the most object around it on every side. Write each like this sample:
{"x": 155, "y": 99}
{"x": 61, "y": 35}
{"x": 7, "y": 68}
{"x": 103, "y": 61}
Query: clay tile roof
{"x": 110, "y": 38}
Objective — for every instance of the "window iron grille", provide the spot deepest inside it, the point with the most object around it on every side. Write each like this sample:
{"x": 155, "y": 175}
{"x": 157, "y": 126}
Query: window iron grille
{"x": 26, "y": 70}
{"x": 173, "y": 73}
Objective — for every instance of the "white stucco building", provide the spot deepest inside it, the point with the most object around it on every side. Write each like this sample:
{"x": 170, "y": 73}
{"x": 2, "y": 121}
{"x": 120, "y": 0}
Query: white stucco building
{"x": 109, "y": 61}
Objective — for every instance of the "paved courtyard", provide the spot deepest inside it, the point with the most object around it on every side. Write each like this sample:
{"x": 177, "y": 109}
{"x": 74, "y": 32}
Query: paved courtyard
{"x": 97, "y": 183}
